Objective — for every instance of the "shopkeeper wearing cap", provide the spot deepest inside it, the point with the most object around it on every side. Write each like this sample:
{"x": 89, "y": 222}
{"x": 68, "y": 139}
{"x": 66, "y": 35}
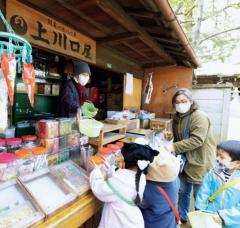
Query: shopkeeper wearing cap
{"x": 72, "y": 95}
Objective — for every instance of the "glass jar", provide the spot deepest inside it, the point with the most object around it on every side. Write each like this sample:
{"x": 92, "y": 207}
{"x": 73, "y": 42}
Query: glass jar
{"x": 29, "y": 141}
{"x": 115, "y": 148}
{"x": 118, "y": 155}
{"x": 25, "y": 161}
{"x": 40, "y": 157}
{"x": 3, "y": 147}
{"x": 13, "y": 144}
{"x": 8, "y": 166}
{"x": 107, "y": 154}
{"x": 121, "y": 144}
{"x": 96, "y": 160}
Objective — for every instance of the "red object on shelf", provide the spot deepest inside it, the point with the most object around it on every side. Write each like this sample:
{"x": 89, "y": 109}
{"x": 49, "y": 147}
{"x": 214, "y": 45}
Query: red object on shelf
{"x": 94, "y": 95}
{"x": 13, "y": 141}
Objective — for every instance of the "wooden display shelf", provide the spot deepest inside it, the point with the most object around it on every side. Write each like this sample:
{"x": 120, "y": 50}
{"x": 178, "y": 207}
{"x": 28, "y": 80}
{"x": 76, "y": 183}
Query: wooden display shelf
{"x": 75, "y": 214}
{"x": 107, "y": 134}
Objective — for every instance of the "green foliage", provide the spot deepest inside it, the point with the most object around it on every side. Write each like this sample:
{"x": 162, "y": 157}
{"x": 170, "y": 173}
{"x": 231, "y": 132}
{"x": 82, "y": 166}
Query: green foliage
{"x": 214, "y": 42}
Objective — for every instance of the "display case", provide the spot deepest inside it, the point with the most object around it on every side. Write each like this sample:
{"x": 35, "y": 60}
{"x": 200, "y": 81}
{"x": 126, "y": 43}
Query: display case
{"x": 17, "y": 209}
{"x": 73, "y": 176}
{"x": 50, "y": 194}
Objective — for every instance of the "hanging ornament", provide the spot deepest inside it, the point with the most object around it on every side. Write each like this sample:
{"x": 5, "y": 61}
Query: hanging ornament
{"x": 15, "y": 50}
{"x": 8, "y": 65}
{"x": 28, "y": 76}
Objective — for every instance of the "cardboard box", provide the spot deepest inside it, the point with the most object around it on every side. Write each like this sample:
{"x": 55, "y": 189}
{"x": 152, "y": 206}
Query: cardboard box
{"x": 130, "y": 124}
{"x": 160, "y": 124}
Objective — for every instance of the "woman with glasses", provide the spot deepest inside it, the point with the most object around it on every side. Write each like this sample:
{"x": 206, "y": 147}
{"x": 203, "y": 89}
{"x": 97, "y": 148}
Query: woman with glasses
{"x": 193, "y": 139}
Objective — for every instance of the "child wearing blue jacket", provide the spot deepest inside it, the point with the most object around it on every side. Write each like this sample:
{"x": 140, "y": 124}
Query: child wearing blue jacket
{"x": 226, "y": 205}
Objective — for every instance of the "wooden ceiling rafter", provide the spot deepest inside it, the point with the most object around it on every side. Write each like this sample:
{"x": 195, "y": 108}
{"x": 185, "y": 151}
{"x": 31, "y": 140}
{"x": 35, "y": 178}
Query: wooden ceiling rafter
{"x": 82, "y": 15}
{"x": 135, "y": 50}
{"x": 118, "y": 37}
{"x": 100, "y": 27}
{"x": 142, "y": 13}
{"x": 117, "y": 13}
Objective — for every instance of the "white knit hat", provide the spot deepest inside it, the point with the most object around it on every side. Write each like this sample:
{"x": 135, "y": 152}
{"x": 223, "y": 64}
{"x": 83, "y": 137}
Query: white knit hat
{"x": 164, "y": 168}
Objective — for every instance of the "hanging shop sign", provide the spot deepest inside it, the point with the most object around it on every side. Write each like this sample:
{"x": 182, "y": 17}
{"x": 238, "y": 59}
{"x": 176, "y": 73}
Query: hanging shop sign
{"x": 43, "y": 31}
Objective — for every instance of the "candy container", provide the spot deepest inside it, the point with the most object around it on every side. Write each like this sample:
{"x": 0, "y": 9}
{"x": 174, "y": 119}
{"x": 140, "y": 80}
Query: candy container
{"x": 13, "y": 144}
{"x": 3, "y": 147}
{"x": 40, "y": 157}
{"x": 63, "y": 155}
{"x": 8, "y": 166}
{"x": 25, "y": 161}
{"x": 51, "y": 145}
{"x": 65, "y": 126}
{"x": 29, "y": 141}
{"x": 107, "y": 154}
{"x": 47, "y": 129}
{"x": 73, "y": 139}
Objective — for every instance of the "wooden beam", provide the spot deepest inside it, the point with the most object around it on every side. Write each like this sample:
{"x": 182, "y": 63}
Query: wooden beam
{"x": 113, "y": 9}
{"x": 174, "y": 48}
{"x": 118, "y": 37}
{"x": 156, "y": 64}
{"x": 179, "y": 53}
{"x": 88, "y": 19}
{"x": 136, "y": 50}
{"x": 165, "y": 40}
{"x": 142, "y": 13}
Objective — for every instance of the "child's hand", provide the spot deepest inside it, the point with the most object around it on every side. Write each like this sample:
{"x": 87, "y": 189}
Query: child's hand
{"x": 91, "y": 164}
{"x": 217, "y": 219}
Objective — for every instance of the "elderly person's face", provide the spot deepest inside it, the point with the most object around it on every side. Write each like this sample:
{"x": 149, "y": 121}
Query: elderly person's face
{"x": 182, "y": 103}
{"x": 182, "y": 99}
{"x": 82, "y": 78}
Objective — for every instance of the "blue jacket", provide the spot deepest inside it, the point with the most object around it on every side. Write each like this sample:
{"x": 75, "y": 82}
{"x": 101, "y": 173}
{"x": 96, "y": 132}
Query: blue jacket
{"x": 227, "y": 203}
{"x": 155, "y": 209}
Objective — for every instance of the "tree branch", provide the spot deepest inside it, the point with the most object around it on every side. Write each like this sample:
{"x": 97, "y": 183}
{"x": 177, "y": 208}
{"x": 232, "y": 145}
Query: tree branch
{"x": 219, "y": 33}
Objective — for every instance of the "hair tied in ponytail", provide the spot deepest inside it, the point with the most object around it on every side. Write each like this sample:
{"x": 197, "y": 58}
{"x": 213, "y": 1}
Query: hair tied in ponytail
{"x": 142, "y": 164}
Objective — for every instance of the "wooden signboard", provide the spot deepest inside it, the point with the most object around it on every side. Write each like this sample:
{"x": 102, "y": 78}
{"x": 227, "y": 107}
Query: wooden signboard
{"x": 43, "y": 31}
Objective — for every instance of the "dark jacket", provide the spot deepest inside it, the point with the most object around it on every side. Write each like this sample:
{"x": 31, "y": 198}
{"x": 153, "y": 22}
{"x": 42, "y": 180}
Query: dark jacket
{"x": 69, "y": 101}
{"x": 200, "y": 147}
{"x": 155, "y": 209}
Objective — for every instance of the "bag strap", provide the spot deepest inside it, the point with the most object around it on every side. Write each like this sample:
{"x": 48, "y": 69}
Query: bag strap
{"x": 174, "y": 209}
{"x": 119, "y": 195}
{"x": 185, "y": 133}
{"x": 222, "y": 188}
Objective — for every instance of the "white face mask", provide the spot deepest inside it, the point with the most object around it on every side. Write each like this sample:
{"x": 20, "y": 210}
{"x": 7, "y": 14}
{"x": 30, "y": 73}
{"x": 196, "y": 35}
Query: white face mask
{"x": 83, "y": 80}
{"x": 183, "y": 107}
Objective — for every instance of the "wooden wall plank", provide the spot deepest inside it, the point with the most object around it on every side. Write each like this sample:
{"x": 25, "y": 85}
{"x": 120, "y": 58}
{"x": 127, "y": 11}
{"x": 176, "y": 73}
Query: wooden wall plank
{"x": 165, "y": 79}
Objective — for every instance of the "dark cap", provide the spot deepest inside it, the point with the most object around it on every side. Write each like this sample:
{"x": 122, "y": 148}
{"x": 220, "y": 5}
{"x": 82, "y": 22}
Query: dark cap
{"x": 232, "y": 147}
{"x": 132, "y": 152}
{"x": 80, "y": 67}
{"x": 184, "y": 91}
